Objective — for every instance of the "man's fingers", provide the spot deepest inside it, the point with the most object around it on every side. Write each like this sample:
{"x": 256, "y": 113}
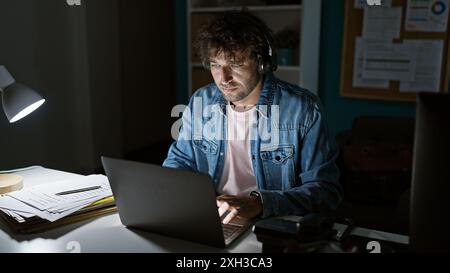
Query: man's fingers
{"x": 223, "y": 208}
{"x": 223, "y": 199}
{"x": 233, "y": 213}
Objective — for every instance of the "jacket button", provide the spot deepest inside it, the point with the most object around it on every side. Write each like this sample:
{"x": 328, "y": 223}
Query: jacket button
{"x": 253, "y": 157}
{"x": 277, "y": 158}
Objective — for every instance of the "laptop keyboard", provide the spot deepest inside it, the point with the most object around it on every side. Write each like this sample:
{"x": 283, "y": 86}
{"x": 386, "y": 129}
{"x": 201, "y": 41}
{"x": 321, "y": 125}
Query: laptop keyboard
{"x": 230, "y": 229}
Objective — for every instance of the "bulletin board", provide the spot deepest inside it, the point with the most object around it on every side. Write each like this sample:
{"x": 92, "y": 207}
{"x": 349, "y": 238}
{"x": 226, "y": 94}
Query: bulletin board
{"x": 391, "y": 90}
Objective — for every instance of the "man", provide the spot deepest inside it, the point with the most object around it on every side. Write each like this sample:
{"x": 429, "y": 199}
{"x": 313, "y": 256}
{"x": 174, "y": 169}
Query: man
{"x": 268, "y": 149}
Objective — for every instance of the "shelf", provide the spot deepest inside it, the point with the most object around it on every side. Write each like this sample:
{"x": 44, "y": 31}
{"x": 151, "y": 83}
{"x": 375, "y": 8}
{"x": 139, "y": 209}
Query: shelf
{"x": 288, "y": 68}
{"x": 250, "y": 8}
{"x": 303, "y": 16}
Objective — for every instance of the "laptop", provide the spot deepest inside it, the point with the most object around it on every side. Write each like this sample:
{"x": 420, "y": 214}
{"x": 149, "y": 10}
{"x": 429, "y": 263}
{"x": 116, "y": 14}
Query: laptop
{"x": 172, "y": 202}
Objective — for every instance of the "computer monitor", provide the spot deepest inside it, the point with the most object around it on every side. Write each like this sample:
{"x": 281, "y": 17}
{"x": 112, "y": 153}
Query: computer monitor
{"x": 430, "y": 189}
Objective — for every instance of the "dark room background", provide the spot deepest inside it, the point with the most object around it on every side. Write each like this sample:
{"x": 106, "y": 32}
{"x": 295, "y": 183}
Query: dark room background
{"x": 107, "y": 71}
{"x": 112, "y": 70}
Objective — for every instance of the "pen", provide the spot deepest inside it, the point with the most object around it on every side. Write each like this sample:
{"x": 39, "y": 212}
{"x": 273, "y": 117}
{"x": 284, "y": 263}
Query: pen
{"x": 78, "y": 190}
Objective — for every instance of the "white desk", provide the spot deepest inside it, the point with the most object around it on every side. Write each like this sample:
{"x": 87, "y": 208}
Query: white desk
{"x": 107, "y": 234}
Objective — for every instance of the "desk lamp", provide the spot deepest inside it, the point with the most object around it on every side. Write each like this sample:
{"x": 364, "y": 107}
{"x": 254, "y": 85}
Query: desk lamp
{"x": 18, "y": 101}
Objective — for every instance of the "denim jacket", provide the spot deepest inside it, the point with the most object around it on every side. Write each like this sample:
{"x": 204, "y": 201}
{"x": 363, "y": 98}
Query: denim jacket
{"x": 293, "y": 154}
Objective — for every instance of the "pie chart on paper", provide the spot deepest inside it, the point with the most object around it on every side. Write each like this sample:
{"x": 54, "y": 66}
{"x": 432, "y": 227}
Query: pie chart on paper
{"x": 438, "y": 8}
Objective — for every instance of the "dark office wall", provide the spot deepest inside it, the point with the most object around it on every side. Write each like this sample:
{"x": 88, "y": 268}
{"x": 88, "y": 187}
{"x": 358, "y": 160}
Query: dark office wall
{"x": 107, "y": 70}
{"x": 148, "y": 72}
{"x": 103, "y": 42}
{"x": 341, "y": 111}
{"x": 18, "y": 57}
{"x": 34, "y": 49}
{"x": 181, "y": 51}
{"x": 62, "y": 52}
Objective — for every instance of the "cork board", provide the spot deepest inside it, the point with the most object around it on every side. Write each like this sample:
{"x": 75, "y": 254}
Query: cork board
{"x": 353, "y": 28}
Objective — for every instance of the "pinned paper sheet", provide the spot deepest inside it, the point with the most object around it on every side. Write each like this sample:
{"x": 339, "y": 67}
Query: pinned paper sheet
{"x": 390, "y": 61}
{"x": 427, "y": 15}
{"x": 358, "y": 80}
{"x": 428, "y": 67}
{"x": 382, "y": 22}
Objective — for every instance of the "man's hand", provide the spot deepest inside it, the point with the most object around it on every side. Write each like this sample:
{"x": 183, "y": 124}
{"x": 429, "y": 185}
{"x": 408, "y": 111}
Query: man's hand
{"x": 246, "y": 207}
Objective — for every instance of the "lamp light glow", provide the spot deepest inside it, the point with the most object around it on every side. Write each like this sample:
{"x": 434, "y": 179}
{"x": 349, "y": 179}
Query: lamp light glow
{"x": 27, "y": 111}
{"x": 18, "y": 100}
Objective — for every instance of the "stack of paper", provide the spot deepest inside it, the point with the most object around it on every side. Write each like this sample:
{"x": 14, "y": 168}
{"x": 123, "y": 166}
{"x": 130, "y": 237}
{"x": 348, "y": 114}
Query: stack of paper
{"x": 43, "y": 201}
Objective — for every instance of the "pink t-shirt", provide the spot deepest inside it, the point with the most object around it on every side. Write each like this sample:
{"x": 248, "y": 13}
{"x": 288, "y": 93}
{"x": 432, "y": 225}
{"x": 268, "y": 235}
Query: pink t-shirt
{"x": 238, "y": 177}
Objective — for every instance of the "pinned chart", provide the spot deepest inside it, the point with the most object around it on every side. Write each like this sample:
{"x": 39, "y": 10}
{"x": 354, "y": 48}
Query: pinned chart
{"x": 427, "y": 15}
{"x": 395, "y": 50}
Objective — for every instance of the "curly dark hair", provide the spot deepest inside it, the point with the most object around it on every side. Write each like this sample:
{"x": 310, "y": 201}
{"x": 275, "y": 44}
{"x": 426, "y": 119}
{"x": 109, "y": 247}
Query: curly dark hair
{"x": 231, "y": 32}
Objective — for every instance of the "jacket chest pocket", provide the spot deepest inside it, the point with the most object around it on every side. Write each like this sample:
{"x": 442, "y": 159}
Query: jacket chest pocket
{"x": 206, "y": 146}
{"x": 205, "y": 155}
{"x": 278, "y": 165}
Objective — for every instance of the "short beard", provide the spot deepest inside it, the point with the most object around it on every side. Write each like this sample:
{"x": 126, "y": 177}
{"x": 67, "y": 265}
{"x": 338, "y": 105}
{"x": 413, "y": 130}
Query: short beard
{"x": 236, "y": 97}
{"x": 240, "y": 95}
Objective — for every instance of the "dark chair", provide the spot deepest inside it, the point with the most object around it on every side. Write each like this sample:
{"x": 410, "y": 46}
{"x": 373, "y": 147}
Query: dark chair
{"x": 375, "y": 162}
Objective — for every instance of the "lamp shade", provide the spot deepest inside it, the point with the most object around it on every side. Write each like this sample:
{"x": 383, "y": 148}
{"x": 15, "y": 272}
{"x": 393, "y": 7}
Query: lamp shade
{"x": 18, "y": 100}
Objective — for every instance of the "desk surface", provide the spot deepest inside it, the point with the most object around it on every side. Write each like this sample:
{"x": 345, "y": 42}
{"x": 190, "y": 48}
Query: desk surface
{"x": 107, "y": 234}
